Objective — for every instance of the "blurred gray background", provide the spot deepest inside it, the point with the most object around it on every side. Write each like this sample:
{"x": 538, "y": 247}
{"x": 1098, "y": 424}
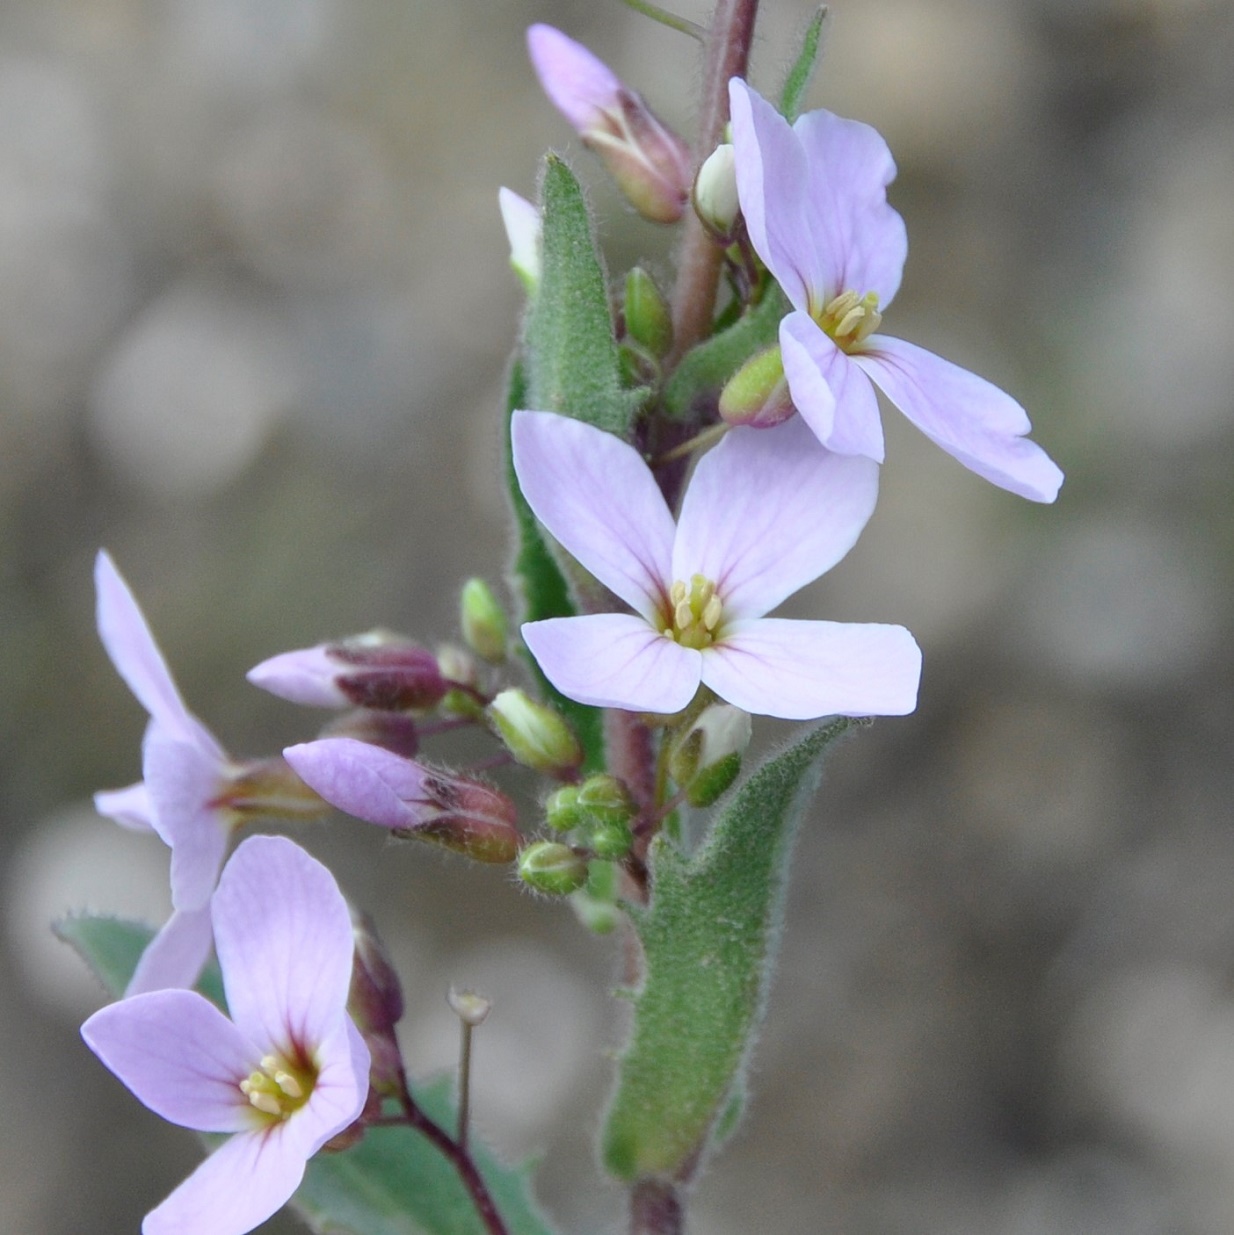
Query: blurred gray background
{"x": 254, "y": 313}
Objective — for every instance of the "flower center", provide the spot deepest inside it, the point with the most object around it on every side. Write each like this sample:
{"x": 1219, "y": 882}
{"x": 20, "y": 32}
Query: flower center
{"x": 849, "y": 318}
{"x": 694, "y": 613}
{"x": 278, "y": 1088}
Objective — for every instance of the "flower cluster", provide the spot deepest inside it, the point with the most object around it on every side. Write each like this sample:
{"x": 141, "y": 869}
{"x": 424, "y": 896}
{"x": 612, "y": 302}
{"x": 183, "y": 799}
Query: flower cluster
{"x": 665, "y": 506}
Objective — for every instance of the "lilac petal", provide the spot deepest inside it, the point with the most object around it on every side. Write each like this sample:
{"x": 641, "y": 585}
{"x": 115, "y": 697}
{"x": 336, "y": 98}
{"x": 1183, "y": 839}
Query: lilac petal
{"x": 308, "y": 676}
{"x": 772, "y": 177}
{"x": 967, "y": 416}
{"x": 130, "y": 807}
{"x": 179, "y": 1055}
{"x": 176, "y": 956}
{"x": 367, "y": 781}
{"x": 340, "y": 1091}
{"x": 614, "y": 660}
{"x": 236, "y": 1188}
{"x": 598, "y": 498}
{"x": 800, "y": 670}
{"x": 859, "y": 240}
{"x": 576, "y": 82}
{"x": 183, "y": 780}
{"x": 832, "y": 394}
{"x": 136, "y": 656}
{"x": 283, "y": 936}
{"x": 768, "y": 511}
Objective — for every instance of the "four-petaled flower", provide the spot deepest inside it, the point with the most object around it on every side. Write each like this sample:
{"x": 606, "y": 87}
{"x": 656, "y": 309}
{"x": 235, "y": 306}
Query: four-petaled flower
{"x": 766, "y": 512}
{"x": 815, "y": 205}
{"x": 284, "y": 1074}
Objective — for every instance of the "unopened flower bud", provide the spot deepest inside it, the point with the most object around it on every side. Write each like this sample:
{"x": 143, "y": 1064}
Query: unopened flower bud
{"x": 375, "y": 1001}
{"x": 648, "y": 321}
{"x": 611, "y": 840}
{"x": 523, "y": 230}
{"x": 458, "y": 667}
{"x": 649, "y": 162}
{"x": 469, "y": 1006}
{"x": 553, "y": 868}
{"x": 375, "y": 670}
{"x": 715, "y": 192}
{"x": 535, "y": 734}
{"x": 757, "y": 394}
{"x": 396, "y": 731}
{"x": 706, "y": 759}
{"x": 603, "y": 799}
{"x": 410, "y": 799}
{"x": 561, "y": 811}
{"x": 483, "y": 621}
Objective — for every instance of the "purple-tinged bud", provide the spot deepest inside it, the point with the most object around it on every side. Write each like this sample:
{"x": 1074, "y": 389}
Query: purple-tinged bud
{"x": 715, "y": 193}
{"x": 375, "y": 1002}
{"x": 757, "y": 394}
{"x": 267, "y": 789}
{"x": 523, "y": 230}
{"x": 396, "y": 731}
{"x": 551, "y": 867}
{"x": 648, "y": 320}
{"x": 375, "y": 670}
{"x": 650, "y": 163}
{"x": 706, "y": 759}
{"x": 410, "y": 799}
{"x": 483, "y": 621}
{"x": 536, "y": 735}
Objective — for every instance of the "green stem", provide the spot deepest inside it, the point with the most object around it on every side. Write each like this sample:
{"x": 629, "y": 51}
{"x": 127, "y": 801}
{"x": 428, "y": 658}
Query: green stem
{"x": 681, "y": 24}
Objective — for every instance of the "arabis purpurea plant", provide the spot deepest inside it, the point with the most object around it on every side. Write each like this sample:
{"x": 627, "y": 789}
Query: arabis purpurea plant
{"x": 681, "y": 460}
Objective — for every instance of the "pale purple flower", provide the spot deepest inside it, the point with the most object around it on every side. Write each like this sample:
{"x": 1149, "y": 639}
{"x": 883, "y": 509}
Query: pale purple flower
{"x": 185, "y": 771}
{"x": 815, "y": 205}
{"x": 410, "y": 798}
{"x": 283, "y": 1075}
{"x": 650, "y": 163}
{"x": 766, "y": 512}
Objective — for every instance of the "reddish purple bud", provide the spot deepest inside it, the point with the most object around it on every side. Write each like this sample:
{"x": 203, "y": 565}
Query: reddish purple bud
{"x": 375, "y": 1002}
{"x": 650, "y": 163}
{"x": 377, "y": 670}
{"x": 396, "y": 731}
{"x": 409, "y": 798}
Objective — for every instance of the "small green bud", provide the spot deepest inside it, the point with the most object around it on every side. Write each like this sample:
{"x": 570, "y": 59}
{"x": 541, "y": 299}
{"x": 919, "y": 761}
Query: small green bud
{"x": 706, "y": 759}
{"x": 483, "y": 621}
{"x": 561, "y": 810}
{"x": 599, "y": 917}
{"x": 611, "y": 840}
{"x": 757, "y": 394}
{"x": 535, "y": 734}
{"x": 603, "y": 799}
{"x": 553, "y": 868}
{"x": 715, "y": 192}
{"x": 648, "y": 321}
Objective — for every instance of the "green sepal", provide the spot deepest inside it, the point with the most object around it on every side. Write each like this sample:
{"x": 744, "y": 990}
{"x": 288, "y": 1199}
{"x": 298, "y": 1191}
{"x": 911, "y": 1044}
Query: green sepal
{"x": 709, "y": 940}
{"x": 797, "y": 84}
{"x": 393, "y": 1181}
{"x": 111, "y": 948}
{"x": 704, "y": 369}
{"x": 572, "y": 360}
{"x": 543, "y": 591}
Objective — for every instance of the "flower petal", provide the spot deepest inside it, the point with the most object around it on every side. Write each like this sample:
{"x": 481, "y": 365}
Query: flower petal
{"x": 367, "y": 781}
{"x": 599, "y": 499}
{"x": 800, "y": 670}
{"x": 967, "y": 416}
{"x": 860, "y": 241}
{"x": 614, "y": 660}
{"x": 283, "y": 936}
{"x": 176, "y": 956}
{"x": 769, "y": 510}
{"x": 832, "y": 394}
{"x": 130, "y": 807}
{"x": 179, "y": 1055}
{"x": 307, "y": 676}
{"x": 136, "y": 656}
{"x": 340, "y": 1091}
{"x": 183, "y": 780}
{"x": 236, "y": 1188}
{"x": 576, "y": 82}
{"x": 772, "y": 175}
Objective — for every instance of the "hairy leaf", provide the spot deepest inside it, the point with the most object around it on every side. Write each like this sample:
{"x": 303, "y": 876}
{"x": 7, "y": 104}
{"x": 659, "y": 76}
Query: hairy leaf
{"x": 799, "y": 76}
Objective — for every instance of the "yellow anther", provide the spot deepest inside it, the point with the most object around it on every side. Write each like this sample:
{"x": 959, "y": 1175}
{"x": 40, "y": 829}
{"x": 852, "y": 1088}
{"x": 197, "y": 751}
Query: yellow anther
{"x": 268, "y": 1104}
{"x": 849, "y": 318}
{"x": 683, "y": 615}
{"x": 694, "y": 612}
{"x": 288, "y": 1084}
{"x": 277, "y": 1088}
{"x": 711, "y": 612}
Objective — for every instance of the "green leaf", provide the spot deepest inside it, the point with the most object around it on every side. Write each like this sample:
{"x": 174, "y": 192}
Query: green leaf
{"x": 571, "y": 356}
{"x": 798, "y": 81}
{"x": 111, "y": 947}
{"x": 704, "y": 369}
{"x": 543, "y": 591}
{"x": 394, "y": 1182}
{"x": 709, "y": 942}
